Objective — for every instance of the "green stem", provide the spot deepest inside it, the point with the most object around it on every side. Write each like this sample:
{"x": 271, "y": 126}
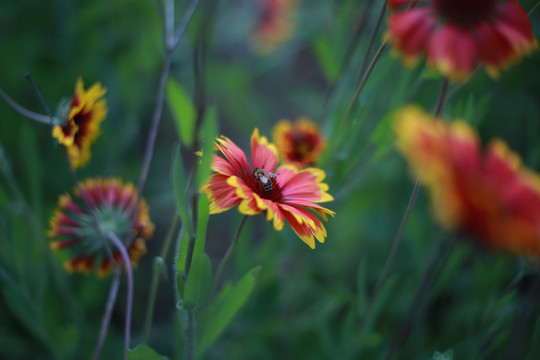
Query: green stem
{"x": 155, "y": 280}
{"x": 438, "y": 260}
{"x": 44, "y": 119}
{"x": 228, "y": 254}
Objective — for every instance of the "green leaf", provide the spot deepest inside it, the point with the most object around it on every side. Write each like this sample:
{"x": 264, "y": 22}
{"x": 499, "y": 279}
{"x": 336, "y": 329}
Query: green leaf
{"x": 327, "y": 60}
{"x": 449, "y": 355}
{"x": 198, "y": 283}
{"x": 208, "y": 136}
{"x": 144, "y": 352}
{"x": 182, "y": 246}
{"x": 179, "y": 184}
{"x": 383, "y": 135}
{"x": 203, "y": 210}
{"x": 183, "y": 111}
{"x": 222, "y": 311}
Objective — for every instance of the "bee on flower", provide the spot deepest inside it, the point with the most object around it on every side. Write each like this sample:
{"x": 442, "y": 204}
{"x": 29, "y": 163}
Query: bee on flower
{"x": 284, "y": 194}
{"x": 300, "y": 143}
{"x": 81, "y": 122}
{"x": 112, "y": 203}
{"x": 454, "y": 35}
{"x": 484, "y": 193}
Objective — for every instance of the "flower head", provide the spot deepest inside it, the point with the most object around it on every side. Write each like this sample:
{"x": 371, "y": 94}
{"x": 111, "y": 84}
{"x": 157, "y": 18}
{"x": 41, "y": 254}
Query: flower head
{"x": 285, "y": 193}
{"x": 113, "y": 204}
{"x": 300, "y": 143}
{"x": 486, "y": 193}
{"x": 455, "y": 35}
{"x": 274, "y": 26}
{"x": 87, "y": 110}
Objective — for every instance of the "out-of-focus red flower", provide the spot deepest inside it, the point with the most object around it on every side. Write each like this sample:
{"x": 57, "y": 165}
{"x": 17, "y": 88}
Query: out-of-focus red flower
{"x": 274, "y": 26}
{"x": 285, "y": 193}
{"x": 81, "y": 127}
{"x": 300, "y": 143}
{"x": 455, "y": 35}
{"x": 486, "y": 193}
{"x": 113, "y": 204}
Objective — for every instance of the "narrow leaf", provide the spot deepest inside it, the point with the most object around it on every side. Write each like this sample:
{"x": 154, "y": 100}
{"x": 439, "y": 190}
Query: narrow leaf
{"x": 199, "y": 282}
{"x": 208, "y": 135}
{"x": 144, "y": 352}
{"x": 225, "y": 308}
{"x": 202, "y": 224}
{"x": 183, "y": 111}
{"x": 179, "y": 184}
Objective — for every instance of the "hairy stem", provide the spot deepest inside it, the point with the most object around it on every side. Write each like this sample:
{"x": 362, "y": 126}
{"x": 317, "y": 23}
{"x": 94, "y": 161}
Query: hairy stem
{"x": 438, "y": 260}
{"x": 410, "y": 206}
{"x": 155, "y": 280}
{"x": 113, "y": 292}
{"x": 23, "y": 111}
{"x": 129, "y": 275}
{"x": 228, "y": 254}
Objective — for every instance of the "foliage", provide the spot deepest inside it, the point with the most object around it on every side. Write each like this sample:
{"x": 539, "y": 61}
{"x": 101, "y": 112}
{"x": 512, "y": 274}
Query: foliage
{"x": 279, "y": 299}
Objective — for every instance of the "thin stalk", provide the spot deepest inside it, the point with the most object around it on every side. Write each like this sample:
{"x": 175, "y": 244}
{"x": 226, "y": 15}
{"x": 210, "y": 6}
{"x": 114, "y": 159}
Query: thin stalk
{"x": 113, "y": 292}
{"x": 360, "y": 87}
{"x": 129, "y": 276}
{"x": 228, "y": 254}
{"x": 190, "y": 335}
{"x": 353, "y": 44}
{"x": 44, "y": 119}
{"x": 373, "y": 36}
{"x": 533, "y": 9}
{"x": 410, "y": 206}
{"x": 155, "y": 280}
{"x": 73, "y": 173}
{"x": 438, "y": 260}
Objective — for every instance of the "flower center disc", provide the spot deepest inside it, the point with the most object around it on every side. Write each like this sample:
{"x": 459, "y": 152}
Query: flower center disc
{"x": 464, "y": 12}
{"x": 257, "y": 186}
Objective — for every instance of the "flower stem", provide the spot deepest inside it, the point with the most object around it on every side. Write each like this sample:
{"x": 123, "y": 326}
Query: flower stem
{"x": 438, "y": 260}
{"x": 228, "y": 254}
{"x": 410, "y": 206}
{"x": 129, "y": 275}
{"x": 155, "y": 280}
{"x": 113, "y": 292}
{"x": 23, "y": 111}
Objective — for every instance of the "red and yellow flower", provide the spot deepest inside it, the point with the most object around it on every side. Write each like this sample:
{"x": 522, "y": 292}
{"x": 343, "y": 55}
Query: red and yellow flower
{"x": 81, "y": 128}
{"x": 112, "y": 203}
{"x": 487, "y": 193}
{"x": 275, "y": 25}
{"x": 293, "y": 195}
{"x": 299, "y": 144}
{"x": 455, "y": 35}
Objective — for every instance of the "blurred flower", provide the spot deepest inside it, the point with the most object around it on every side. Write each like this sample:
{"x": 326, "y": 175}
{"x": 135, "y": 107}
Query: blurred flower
{"x": 486, "y": 193}
{"x": 112, "y": 203}
{"x": 86, "y": 111}
{"x": 274, "y": 26}
{"x": 300, "y": 143}
{"x": 456, "y": 34}
{"x": 284, "y": 194}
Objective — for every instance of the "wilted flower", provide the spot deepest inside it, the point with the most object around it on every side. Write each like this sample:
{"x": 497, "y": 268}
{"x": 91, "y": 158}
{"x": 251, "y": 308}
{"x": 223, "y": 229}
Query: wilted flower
{"x": 285, "y": 193}
{"x": 486, "y": 193}
{"x": 274, "y": 25}
{"x": 300, "y": 143}
{"x": 455, "y": 34}
{"x": 113, "y": 204}
{"x": 81, "y": 128}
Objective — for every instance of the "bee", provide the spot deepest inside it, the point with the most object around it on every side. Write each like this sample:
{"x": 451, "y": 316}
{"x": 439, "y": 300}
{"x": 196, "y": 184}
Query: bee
{"x": 265, "y": 178}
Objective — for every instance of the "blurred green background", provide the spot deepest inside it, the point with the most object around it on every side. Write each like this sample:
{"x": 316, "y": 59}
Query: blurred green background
{"x": 307, "y": 304}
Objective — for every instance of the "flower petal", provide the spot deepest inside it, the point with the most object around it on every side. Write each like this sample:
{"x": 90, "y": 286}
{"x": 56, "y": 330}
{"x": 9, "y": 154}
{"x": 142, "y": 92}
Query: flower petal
{"x": 221, "y": 195}
{"x": 452, "y": 51}
{"x": 306, "y": 225}
{"x": 263, "y": 154}
{"x": 304, "y": 185}
{"x": 235, "y": 156}
{"x": 409, "y": 32}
